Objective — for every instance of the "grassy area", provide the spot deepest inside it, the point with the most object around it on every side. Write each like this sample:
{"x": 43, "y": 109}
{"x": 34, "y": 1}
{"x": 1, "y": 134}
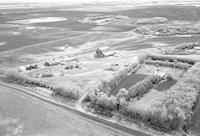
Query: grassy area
{"x": 165, "y": 85}
{"x": 139, "y": 89}
{"x": 128, "y": 82}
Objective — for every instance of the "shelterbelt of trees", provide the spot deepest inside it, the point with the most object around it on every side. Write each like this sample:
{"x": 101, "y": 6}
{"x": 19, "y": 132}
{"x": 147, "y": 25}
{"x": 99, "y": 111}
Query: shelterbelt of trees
{"x": 174, "y": 108}
{"x": 190, "y": 48}
{"x": 102, "y": 19}
{"x": 170, "y": 110}
{"x": 169, "y": 61}
{"x": 168, "y": 29}
{"x": 70, "y": 92}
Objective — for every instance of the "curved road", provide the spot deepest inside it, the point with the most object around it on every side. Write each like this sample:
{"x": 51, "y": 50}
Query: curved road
{"x": 20, "y": 89}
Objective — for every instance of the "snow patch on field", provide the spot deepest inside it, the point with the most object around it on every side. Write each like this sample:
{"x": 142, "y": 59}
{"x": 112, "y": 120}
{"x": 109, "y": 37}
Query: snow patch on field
{"x": 2, "y": 43}
{"x": 30, "y": 27}
{"x": 15, "y": 33}
{"x": 158, "y": 44}
{"x": 104, "y": 48}
{"x": 184, "y": 35}
{"x": 39, "y": 20}
{"x": 11, "y": 125}
{"x": 105, "y": 28}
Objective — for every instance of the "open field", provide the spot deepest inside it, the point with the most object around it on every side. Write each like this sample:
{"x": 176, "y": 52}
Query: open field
{"x": 119, "y": 64}
{"x": 17, "y": 119}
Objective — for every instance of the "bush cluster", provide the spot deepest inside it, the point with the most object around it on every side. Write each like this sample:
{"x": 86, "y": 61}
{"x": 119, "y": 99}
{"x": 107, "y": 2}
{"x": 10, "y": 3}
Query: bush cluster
{"x": 154, "y": 20}
{"x": 179, "y": 65}
{"x": 168, "y": 29}
{"x": 187, "y": 46}
{"x": 181, "y": 49}
{"x": 171, "y": 58}
{"x": 47, "y": 74}
{"x": 70, "y": 92}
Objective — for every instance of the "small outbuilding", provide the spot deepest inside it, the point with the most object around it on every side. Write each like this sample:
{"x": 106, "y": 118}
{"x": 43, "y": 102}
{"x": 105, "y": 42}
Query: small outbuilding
{"x": 99, "y": 54}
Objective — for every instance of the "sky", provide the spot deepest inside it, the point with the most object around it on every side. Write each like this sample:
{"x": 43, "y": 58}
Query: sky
{"x": 88, "y": 1}
{"x": 92, "y": 1}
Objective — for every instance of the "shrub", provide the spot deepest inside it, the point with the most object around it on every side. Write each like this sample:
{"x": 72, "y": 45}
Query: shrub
{"x": 51, "y": 63}
{"x": 169, "y": 76}
{"x": 67, "y": 92}
{"x": 105, "y": 102}
{"x": 47, "y": 75}
{"x": 122, "y": 93}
